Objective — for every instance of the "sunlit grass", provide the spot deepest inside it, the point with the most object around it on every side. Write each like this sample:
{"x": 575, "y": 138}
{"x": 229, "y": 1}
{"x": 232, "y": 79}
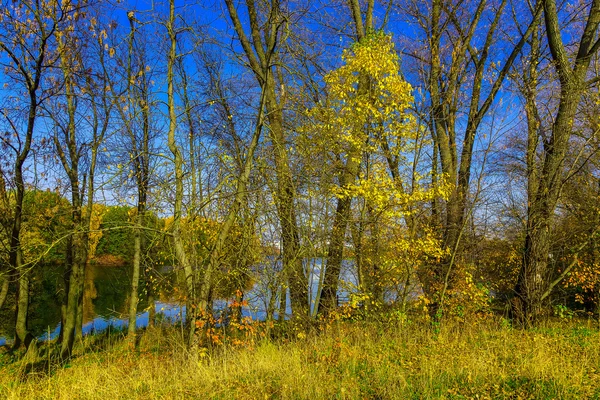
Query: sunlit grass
{"x": 349, "y": 360}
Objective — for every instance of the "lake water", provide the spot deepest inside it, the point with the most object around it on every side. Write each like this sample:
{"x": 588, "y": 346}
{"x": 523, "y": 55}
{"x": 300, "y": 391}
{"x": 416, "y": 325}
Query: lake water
{"x": 106, "y": 299}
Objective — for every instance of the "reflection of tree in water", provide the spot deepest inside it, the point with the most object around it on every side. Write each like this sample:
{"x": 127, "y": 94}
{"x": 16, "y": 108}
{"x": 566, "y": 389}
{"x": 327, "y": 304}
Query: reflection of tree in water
{"x": 111, "y": 288}
{"x": 106, "y": 295}
{"x": 47, "y": 288}
{"x": 89, "y": 294}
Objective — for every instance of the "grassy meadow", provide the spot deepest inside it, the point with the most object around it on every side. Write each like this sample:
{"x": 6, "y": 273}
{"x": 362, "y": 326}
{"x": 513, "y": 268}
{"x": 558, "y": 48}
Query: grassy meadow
{"x": 487, "y": 359}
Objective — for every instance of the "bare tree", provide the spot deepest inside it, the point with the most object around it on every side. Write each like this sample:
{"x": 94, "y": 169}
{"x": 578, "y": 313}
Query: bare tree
{"x": 260, "y": 47}
{"x": 461, "y": 41}
{"x": 27, "y": 56}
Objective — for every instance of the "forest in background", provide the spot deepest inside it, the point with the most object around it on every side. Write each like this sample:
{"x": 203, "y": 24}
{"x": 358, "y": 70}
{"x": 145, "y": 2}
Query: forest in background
{"x": 449, "y": 149}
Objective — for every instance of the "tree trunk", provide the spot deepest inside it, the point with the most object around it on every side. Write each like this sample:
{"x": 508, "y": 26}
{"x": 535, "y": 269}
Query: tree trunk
{"x": 30, "y": 72}
{"x": 333, "y": 266}
{"x": 286, "y": 193}
{"x": 79, "y": 316}
{"x": 533, "y": 283}
{"x": 282, "y": 303}
{"x": 135, "y": 275}
{"x": 69, "y": 154}
{"x": 23, "y": 336}
{"x": 4, "y": 290}
{"x": 447, "y": 81}
{"x": 271, "y": 303}
{"x": 16, "y": 252}
{"x": 151, "y": 299}
{"x": 180, "y": 253}
{"x": 139, "y": 97}
{"x": 75, "y": 291}
{"x": 535, "y": 272}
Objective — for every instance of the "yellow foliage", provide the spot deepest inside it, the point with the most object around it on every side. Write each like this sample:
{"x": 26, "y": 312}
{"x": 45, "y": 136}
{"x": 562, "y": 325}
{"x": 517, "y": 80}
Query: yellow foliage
{"x": 374, "y": 121}
{"x": 351, "y": 115}
{"x": 239, "y": 253}
{"x": 467, "y": 300}
{"x": 98, "y": 211}
{"x": 367, "y": 115}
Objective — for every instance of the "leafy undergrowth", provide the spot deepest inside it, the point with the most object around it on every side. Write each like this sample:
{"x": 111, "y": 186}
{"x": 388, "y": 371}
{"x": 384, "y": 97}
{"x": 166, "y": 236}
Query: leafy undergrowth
{"x": 345, "y": 360}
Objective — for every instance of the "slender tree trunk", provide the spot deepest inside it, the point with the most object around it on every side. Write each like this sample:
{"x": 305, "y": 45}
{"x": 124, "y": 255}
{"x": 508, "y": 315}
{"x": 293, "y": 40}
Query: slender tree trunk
{"x": 149, "y": 285}
{"x": 74, "y": 297}
{"x": 74, "y": 310}
{"x": 5, "y": 224}
{"x": 240, "y": 196}
{"x": 282, "y": 303}
{"x": 30, "y": 72}
{"x": 271, "y": 303}
{"x": 16, "y": 252}
{"x": 139, "y": 98}
{"x": 79, "y": 317}
{"x": 180, "y": 253}
{"x": 22, "y": 333}
{"x": 359, "y": 254}
{"x": 286, "y": 193}
{"x": 135, "y": 274}
{"x": 536, "y": 272}
{"x": 80, "y": 228}
{"x": 4, "y": 290}
{"x": 447, "y": 81}
{"x": 333, "y": 266}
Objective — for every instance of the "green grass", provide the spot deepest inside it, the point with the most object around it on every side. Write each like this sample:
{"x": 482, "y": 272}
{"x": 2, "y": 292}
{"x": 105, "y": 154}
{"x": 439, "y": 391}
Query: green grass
{"x": 347, "y": 360}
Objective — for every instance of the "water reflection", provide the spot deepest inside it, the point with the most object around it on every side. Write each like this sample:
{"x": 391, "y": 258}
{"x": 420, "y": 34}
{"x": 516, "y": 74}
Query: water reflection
{"x": 106, "y": 299}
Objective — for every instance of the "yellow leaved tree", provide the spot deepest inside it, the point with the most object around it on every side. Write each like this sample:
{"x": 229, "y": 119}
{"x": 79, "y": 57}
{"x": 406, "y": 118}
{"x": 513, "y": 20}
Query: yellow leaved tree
{"x": 366, "y": 122}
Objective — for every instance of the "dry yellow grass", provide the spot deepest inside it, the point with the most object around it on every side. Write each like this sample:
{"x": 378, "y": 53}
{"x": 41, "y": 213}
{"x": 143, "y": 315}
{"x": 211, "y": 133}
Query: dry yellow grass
{"x": 349, "y": 361}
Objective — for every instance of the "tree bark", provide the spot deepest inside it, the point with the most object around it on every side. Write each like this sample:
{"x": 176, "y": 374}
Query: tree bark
{"x": 4, "y": 291}
{"x": 23, "y": 336}
{"x": 135, "y": 276}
